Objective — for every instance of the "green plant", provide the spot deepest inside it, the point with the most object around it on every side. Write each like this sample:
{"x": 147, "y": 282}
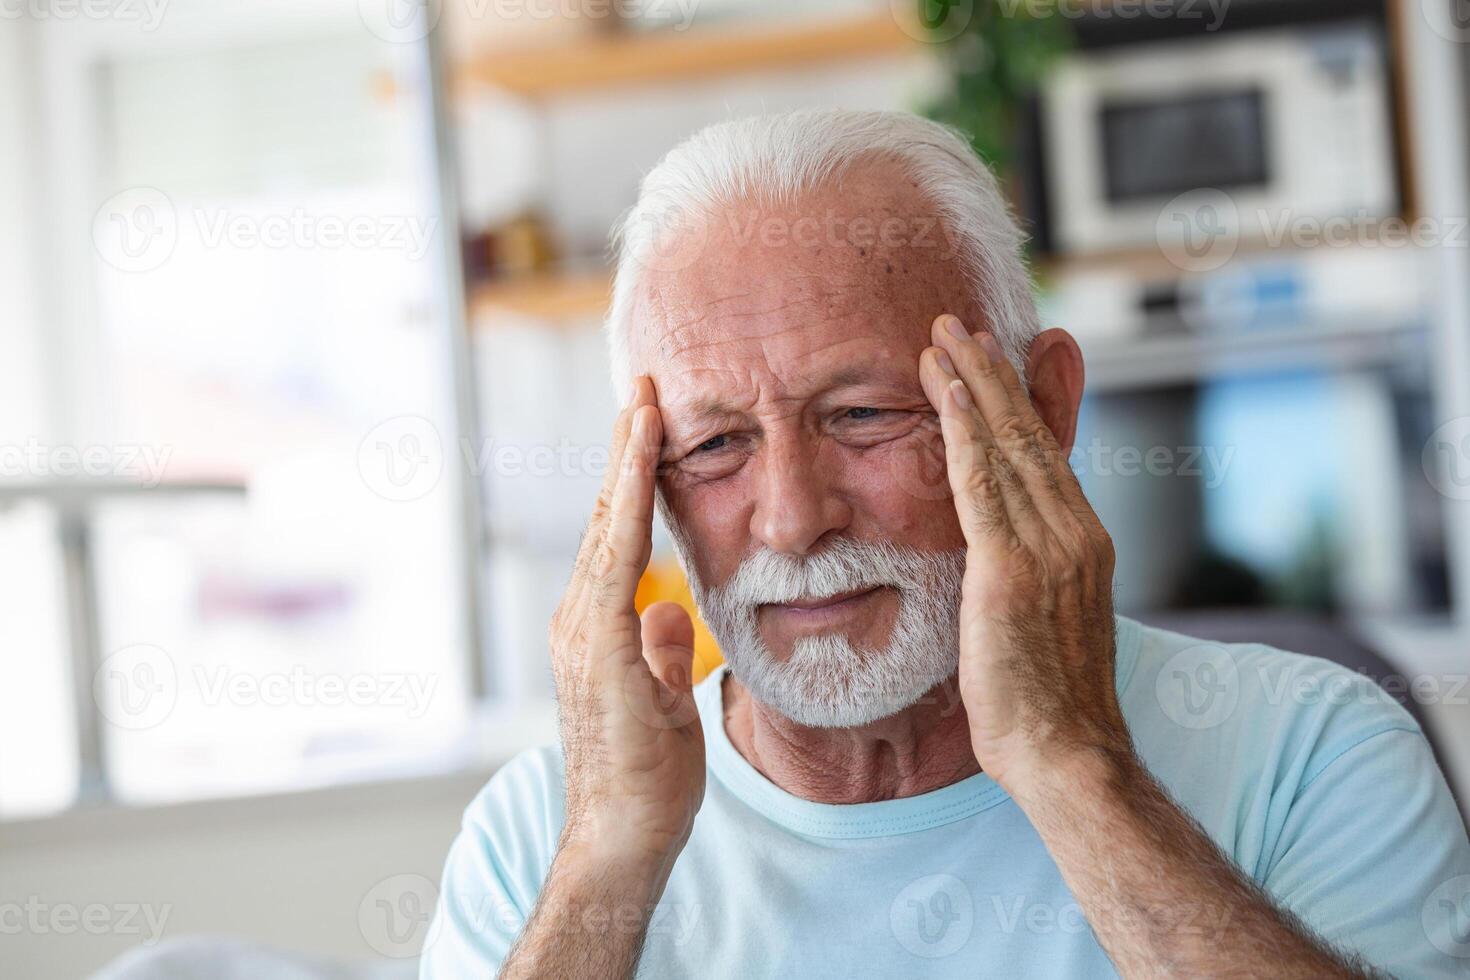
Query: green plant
{"x": 995, "y": 63}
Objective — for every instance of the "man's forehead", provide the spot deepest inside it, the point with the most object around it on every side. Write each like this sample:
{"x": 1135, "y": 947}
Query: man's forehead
{"x": 707, "y": 319}
{"x": 783, "y": 300}
{"x": 781, "y": 336}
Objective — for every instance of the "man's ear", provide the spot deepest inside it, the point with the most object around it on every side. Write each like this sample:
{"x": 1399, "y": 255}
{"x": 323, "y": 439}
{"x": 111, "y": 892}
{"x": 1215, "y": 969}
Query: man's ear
{"x": 1055, "y": 374}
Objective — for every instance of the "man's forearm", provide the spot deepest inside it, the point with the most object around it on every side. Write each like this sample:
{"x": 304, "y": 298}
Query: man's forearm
{"x": 1159, "y": 895}
{"x": 590, "y": 919}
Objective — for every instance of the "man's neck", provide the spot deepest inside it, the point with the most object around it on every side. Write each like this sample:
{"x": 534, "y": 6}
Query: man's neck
{"x": 922, "y": 748}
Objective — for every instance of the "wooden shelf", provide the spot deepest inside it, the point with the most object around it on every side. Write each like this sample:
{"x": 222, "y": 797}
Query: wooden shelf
{"x": 557, "y": 297}
{"x": 609, "y": 61}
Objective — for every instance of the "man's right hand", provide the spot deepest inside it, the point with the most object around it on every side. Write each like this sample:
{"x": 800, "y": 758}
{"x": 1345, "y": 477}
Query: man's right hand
{"x": 630, "y": 732}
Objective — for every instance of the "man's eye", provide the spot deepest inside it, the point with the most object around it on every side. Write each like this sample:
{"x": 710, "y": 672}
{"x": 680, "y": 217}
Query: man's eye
{"x": 709, "y": 445}
{"x": 864, "y": 426}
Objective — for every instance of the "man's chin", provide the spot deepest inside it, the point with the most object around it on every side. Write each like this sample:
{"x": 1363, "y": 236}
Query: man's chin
{"x": 827, "y": 696}
{"x": 781, "y": 648}
{"x": 845, "y": 715}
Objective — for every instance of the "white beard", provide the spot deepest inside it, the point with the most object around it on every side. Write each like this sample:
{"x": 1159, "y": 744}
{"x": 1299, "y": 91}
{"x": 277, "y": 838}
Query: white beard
{"x": 827, "y": 682}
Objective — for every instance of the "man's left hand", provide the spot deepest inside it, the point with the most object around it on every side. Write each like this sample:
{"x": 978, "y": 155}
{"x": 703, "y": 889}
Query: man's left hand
{"x": 1036, "y": 622}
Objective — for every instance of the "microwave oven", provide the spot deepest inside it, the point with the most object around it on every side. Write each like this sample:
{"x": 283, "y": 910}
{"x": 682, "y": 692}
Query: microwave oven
{"x": 1287, "y": 123}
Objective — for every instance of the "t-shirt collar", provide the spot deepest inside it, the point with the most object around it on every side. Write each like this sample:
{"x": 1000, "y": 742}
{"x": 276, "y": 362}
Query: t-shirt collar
{"x": 854, "y": 821}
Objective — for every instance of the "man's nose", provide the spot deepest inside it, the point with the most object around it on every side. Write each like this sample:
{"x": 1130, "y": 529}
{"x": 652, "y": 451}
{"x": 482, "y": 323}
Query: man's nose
{"x": 797, "y": 502}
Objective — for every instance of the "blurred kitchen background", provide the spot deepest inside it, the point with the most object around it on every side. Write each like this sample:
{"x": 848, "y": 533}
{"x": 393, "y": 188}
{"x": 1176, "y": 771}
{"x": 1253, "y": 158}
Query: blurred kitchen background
{"x": 303, "y": 399}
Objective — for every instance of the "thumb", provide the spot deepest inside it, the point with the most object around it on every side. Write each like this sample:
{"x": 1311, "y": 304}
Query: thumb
{"x": 668, "y": 644}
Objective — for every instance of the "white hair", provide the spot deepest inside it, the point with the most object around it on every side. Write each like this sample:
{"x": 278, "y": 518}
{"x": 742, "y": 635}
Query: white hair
{"x": 777, "y": 158}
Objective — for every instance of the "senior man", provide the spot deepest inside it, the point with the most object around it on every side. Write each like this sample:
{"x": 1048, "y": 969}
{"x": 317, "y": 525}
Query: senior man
{"x": 934, "y": 750}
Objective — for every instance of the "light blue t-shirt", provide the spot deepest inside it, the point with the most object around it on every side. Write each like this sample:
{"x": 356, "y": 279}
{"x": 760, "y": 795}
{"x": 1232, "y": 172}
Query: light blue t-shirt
{"x": 1316, "y": 783}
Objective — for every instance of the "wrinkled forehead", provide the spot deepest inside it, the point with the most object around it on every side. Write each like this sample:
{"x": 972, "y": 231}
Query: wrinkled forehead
{"x": 774, "y": 301}
{"x": 775, "y": 327}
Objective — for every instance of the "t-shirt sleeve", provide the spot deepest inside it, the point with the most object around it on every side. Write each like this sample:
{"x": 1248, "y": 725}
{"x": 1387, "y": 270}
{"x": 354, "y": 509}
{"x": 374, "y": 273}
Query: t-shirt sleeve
{"x": 495, "y": 869}
{"x": 1373, "y": 856}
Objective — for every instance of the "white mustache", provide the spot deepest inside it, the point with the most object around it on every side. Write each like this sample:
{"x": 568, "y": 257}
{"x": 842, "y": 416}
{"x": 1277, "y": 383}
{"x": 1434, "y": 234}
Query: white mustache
{"x": 844, "y": 566}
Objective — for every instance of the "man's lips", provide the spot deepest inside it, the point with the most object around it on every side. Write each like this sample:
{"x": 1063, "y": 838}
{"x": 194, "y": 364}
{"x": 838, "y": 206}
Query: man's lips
{"x": 824, "y": 604}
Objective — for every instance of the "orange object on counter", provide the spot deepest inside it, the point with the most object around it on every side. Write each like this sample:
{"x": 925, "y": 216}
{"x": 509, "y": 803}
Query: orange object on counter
{"x": 664, "y": 581}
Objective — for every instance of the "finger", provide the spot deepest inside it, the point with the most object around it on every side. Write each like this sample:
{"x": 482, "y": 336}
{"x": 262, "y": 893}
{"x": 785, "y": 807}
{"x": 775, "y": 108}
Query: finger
{"x": 660, "y": 690}
{"x": 622, "y": 432}
{"x": 1036, "y": 452}
{"x": 1021, "y": 434}
{"x": 668, "y": 644}
{"x": 593, "y": 536}
{"x": 980, "y": 500}
{"x": 975, "y": 463}
{"x": 629, "y": 540}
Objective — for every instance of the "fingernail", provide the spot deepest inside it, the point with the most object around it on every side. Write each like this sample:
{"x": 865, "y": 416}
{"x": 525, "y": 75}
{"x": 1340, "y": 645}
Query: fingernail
{"x": 956, "y": 328}
{"x": 961, "y": 395}
{"x": 990, "y": 345}
{"x": 945, "y": 364}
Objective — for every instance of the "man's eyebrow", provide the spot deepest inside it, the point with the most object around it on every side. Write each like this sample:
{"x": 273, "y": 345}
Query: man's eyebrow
{"x": 699, "y": 412}
{"x": 850, "y": 376}
{"x": 874, "y": 378}
{"x": 706, "y": 408}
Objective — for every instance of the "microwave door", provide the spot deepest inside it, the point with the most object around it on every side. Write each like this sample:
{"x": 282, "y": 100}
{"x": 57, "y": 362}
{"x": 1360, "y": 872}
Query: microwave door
{"x": 1164, "y": 148}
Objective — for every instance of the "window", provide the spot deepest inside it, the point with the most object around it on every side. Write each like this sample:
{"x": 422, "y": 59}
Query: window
{"x": 249, "y": 453}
